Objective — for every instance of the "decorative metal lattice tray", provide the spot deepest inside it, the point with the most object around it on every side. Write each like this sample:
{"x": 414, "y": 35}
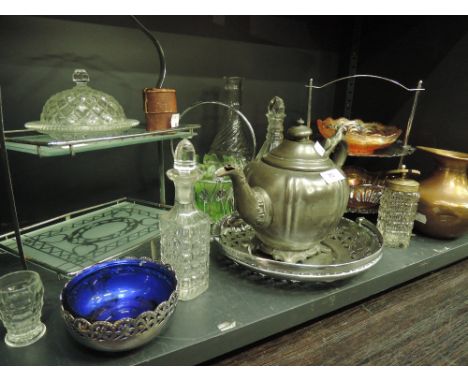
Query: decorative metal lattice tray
{"x": 350, "y": 249}
{"x": 69, "y": 243}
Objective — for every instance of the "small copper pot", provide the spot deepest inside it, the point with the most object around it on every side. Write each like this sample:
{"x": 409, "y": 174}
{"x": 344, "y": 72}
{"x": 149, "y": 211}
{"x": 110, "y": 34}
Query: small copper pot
{"x": 159, "y": 105}
{"x": 444, "y": 196}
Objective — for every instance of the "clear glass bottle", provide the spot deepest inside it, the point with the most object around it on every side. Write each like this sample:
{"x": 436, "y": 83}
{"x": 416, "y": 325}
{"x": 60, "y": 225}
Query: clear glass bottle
{"x": 397, "y": 211}
{"x": 274, "y": 136}
{"x": 230, "y": 141}
{"x": 185, "y": 231}
{"x": 214, "y": 195}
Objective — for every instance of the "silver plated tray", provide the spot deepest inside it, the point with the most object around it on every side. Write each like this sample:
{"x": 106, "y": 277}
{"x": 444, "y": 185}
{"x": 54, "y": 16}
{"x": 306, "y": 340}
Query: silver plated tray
{"x": 350, "y": 249}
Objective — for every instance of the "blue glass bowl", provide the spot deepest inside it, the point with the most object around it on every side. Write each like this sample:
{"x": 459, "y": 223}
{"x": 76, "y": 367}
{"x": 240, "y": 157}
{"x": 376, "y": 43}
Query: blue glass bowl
{"x": 119, "y": 304}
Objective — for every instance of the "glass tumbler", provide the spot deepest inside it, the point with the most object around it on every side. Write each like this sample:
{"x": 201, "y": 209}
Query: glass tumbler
{"x": 21, "y": 301}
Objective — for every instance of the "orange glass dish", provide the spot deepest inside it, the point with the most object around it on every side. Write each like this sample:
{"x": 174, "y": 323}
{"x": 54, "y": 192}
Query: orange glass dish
{"x": 363, "y": 138}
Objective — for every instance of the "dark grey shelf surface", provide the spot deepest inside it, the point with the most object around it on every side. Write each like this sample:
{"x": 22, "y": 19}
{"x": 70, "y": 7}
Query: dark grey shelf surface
{"x": 239, "y": 308}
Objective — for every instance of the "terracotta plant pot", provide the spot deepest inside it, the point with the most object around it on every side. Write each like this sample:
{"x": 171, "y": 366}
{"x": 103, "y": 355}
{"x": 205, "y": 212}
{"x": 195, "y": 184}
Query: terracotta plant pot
{"x": 159, "y": 105}
{"x": 444, "y": 196}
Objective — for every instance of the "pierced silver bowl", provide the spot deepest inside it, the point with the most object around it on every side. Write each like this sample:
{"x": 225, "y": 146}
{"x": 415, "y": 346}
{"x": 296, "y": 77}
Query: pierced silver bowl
{"x": 119, "y": 304}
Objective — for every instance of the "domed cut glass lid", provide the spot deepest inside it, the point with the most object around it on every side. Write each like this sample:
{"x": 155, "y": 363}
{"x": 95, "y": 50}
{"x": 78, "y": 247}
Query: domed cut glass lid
{"x": 81, "y": 112}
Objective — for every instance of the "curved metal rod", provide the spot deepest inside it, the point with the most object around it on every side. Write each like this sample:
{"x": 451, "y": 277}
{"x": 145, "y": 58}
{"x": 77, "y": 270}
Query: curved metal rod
{"x": 238, "y": 112}
{"x": 9, "y": 184}
{"x": 366, "y": 76}
{"x": 162, "y": 57}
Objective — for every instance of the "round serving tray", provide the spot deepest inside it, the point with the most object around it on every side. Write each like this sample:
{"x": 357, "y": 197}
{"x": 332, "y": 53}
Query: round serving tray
{"x": 351, "y": 248}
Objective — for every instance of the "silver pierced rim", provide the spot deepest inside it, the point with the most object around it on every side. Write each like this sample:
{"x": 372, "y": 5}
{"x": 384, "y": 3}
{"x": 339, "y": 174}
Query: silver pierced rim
{"x": 127, "y": 327}
{"x": 124, "y": 328}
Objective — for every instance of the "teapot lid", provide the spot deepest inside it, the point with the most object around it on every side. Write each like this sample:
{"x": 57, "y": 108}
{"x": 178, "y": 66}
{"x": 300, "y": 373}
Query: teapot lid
{"x": 298, "y": 151}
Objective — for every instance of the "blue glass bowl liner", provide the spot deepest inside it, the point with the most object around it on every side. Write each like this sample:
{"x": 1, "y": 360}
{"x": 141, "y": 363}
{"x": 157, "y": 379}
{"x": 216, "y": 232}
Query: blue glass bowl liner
{"x": 118, "y": 289}
{"x": 120, "y": 304}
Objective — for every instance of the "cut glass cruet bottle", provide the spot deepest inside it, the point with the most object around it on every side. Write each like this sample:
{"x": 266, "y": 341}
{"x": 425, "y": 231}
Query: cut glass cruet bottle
{"x": 398, "y": 206}
{"x": 185, "y": 231}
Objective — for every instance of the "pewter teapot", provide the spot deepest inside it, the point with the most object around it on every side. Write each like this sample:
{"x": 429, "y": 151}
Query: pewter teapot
{"x": 294, "y": 195}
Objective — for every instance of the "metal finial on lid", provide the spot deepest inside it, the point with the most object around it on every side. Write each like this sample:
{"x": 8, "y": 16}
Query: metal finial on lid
{"x": 299, "y": 132}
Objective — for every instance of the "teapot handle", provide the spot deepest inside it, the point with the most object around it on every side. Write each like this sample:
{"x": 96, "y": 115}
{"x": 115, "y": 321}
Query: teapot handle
{"x": 337, "y": 146}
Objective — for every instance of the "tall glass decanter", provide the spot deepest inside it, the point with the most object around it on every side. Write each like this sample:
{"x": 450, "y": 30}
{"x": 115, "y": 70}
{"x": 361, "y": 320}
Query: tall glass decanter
{"x": 230, "y": 140}
{"x": 214, "y": 195}
{"x": 185, "y": 231}
{"x": 274, "y": 136}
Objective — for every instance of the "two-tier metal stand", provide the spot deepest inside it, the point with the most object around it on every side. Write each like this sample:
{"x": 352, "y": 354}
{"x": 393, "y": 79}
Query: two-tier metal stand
{"x": 365, "y": 199}
{"x": 398, "y": 149}
{"x": 44, "y": 239}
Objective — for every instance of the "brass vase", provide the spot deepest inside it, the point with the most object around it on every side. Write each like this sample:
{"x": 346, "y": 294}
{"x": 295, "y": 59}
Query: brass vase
{"x": 444, "y": 196}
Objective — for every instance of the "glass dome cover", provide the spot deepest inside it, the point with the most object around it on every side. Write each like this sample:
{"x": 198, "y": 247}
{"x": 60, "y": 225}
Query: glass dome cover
{"x": 81, "y": 112}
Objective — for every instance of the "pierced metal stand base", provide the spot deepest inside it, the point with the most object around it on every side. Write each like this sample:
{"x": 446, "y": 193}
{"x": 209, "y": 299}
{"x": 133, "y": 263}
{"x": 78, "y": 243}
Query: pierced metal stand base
{"x": 292, "y": 257}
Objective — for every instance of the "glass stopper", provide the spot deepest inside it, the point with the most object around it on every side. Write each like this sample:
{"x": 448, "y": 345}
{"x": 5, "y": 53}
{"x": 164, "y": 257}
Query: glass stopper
{"x": 185, "y": 160}
{"x": 232, "y": 83}
{"x": 80, "y": 77}
{"x": 276, "y": 107}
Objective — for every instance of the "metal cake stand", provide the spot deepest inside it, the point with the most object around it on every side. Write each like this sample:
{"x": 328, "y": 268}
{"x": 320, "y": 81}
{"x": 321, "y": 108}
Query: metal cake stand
{"x": 352, "y": 248}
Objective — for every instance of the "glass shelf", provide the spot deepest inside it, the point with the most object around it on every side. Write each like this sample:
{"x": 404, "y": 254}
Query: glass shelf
{"x": 69, "y": 243}
{"x": 42, "y": 145}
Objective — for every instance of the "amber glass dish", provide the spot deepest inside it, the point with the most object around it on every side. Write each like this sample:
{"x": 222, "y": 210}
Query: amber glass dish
{"x": 363, "y": 138}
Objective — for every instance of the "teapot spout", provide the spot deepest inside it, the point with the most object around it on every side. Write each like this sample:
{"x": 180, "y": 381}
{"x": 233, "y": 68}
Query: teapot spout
{"x": 337, "y": 147}
{"x": 252, "y": 203}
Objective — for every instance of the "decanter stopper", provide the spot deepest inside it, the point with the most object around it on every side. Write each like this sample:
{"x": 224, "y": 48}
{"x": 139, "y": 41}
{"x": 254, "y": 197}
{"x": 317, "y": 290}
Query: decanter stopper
{"x": 275, "y": 115}
{"x": 80, "y": 77}
{"x": 185, "y": 171}
{"x": 276, "y": 108}
{"x": 185, "y": 160}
